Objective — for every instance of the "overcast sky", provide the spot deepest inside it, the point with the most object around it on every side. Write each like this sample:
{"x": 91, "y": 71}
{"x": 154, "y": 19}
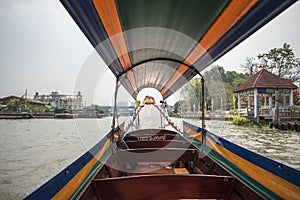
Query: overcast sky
{"x": 42, "y": 49}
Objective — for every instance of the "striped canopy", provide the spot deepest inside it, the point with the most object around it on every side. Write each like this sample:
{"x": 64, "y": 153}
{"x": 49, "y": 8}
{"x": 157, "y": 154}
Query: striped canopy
{"x": 163, "y": 43}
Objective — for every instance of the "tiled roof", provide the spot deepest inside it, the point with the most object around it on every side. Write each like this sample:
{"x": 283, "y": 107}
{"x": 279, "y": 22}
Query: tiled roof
{"x": 37, "y": 102}
{"x": 265, "y": 79}
{"x": 30, "y": 100}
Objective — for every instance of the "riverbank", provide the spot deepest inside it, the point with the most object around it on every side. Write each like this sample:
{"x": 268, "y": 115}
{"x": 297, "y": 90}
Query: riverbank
{"x": 34, "y": 150}
{"x": 26, "y": 115}
{"x": 286, "y": 126}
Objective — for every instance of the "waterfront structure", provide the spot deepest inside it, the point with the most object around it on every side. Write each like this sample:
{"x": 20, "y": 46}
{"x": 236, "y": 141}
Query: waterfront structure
{"x": 73, "y": 102}
{"x": 262, "y": 86}
{"x": 19, "y": 104}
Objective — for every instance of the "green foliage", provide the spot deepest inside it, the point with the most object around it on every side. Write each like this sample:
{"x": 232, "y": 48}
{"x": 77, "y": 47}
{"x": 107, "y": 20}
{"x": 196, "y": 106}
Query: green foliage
{"x": 250, "y": 66}
{"x": 176, "y": 107}
{"x": 282, "y": 62}
{"x": 14, "y": 104}
{"x": 240, "y": 121}
{"x": 179, "y": 106}
{"x": 218, "y": 89}
{"x": 38, "y": 109}
{"x": 23, "y": 105}
{"x": 192, "y": 94}
{"x": 96, "y": 107}
{"x": 220, "y": 84}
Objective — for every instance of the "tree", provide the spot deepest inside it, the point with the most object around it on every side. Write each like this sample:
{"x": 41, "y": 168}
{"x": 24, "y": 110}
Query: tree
{"x": 1, "y": 106}
{"x": 216, "y": 73}
{"x": 234, "y": 80}
{"x": 191, "y": 93}
{"x": 282, "y": 62}
{"x": 218, "y": 89}
{"x": 14, "y": 104}
{"x": 25, "y": 106}
{"x": 250, "y": 66}
{"x": 178, "y": 106}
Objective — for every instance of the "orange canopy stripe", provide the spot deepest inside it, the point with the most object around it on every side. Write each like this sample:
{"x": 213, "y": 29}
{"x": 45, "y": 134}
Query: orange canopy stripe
{"x": 109, "y": 16}
{"x": 229, "y": 18}
{"x": 110, "y": 19}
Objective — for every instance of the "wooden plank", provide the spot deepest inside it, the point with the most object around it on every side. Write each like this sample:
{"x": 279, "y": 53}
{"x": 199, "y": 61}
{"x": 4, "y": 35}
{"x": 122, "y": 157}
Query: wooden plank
{"x": 160, "y": 144}
{"x": 153, "y": 134}
{"x": 151, "y": 137}
{"x": 155, "y": 155}
{"x": 180, "y": 171}
{"x": 172, "y": 186}
{"x": 158, "y": 170}
{"x": 205, "y": 164}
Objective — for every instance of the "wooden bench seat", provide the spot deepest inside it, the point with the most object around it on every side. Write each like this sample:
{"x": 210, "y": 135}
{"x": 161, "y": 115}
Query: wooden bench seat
{"x": 144, "y": 170}
{"x": 152, "y": 137}
{"x": 159, "y": 144}
{"x": 153, "y": 134}
{"x": 171, "y": 186}
{"x": 155, "y": 155}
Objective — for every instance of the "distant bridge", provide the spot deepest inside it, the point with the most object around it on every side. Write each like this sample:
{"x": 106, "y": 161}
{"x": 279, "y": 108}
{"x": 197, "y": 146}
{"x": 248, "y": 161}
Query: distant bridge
{"x": 122, "y": 110}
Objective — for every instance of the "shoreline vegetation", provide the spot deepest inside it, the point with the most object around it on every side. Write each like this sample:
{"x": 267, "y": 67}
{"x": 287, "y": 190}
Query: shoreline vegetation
{"x": 284, "y": 126}
{"x": 49, "y": 115}
{"x": 240, "y": 120}
{"x": 235, "y": 119}
{"x": 25, "y": 115}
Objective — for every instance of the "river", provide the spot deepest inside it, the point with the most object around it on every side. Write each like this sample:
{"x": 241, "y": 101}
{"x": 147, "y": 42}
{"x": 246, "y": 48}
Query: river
{"x": 34, "y": 150}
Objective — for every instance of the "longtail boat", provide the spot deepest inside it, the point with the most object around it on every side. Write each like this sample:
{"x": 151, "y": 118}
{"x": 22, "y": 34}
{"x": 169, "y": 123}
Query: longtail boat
{"x": 163, "y": 44}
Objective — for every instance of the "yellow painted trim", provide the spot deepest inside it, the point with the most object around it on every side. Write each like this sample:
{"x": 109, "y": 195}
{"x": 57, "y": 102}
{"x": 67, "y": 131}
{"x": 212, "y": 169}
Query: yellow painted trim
{"x": 192, "y": 133}
{"x": 279, "y": 186}
{"x": 68, "y": 190}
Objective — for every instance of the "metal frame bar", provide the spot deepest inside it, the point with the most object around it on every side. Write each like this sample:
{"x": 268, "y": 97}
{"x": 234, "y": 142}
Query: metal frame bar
{"x": 179, "y": 62}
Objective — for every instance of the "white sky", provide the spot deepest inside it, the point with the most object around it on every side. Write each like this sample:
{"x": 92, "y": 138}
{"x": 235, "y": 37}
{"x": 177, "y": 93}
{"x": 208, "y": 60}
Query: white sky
{"x": 42, "y": 49}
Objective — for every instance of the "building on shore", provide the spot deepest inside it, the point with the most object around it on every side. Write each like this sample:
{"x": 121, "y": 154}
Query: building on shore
{"x": 72, "y": 102}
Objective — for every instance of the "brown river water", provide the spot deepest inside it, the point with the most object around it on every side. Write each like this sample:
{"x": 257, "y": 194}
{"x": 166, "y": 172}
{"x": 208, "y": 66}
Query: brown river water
{"x": 34, "y": 150}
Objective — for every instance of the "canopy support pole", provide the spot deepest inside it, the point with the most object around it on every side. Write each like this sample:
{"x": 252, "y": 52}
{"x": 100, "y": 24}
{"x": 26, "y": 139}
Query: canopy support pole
{"x": 202, "y": 113}
{"x": 203, "y": 103}
{"x": 115, "y": 104}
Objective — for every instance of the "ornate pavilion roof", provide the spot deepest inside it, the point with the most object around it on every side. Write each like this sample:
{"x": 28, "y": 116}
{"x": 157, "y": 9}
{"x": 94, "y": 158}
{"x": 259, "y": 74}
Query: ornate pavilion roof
{"x": 265, "y": 79}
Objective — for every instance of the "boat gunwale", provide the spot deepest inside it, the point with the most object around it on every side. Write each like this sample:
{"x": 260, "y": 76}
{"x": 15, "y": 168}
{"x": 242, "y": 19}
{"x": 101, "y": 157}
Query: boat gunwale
{"x": 242, "y": 153}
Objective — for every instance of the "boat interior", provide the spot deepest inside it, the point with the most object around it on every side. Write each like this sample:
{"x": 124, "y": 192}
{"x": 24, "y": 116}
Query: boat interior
{"x": 160, "y": 163}
{"x": 163, "y": 45}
